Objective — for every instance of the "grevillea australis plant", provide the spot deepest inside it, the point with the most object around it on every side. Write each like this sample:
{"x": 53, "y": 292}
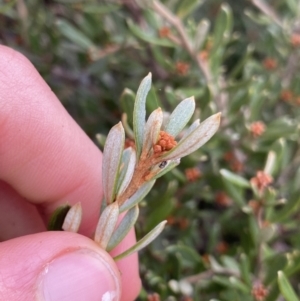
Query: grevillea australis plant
{"x": 129, "y": 174}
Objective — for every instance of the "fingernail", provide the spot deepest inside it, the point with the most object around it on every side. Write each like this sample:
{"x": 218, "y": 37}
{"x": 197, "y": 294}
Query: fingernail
{"x": 79, "y": 275}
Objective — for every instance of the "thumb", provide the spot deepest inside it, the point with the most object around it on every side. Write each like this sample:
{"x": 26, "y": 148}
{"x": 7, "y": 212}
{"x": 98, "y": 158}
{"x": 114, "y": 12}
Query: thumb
{"x": 57, "y": 266}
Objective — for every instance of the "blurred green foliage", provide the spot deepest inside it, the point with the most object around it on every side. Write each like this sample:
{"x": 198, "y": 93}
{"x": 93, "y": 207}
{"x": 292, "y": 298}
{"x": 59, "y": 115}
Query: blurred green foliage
{"x": 233, "y": 231}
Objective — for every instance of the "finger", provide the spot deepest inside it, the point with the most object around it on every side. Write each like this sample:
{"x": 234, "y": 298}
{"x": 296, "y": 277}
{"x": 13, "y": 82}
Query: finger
{"x": 130, "y": 284}
{"x": 44, "y": 155}
{"x": 57, "y": 266}
{"x": 18, "y": 217}
{"x": 22, "y": 218}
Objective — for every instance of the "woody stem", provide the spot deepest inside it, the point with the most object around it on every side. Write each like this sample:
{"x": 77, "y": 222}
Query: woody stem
{"x": 137, "y": 180}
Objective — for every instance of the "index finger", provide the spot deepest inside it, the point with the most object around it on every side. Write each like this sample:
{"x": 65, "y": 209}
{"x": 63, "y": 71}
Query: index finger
{"x": 44, "y": 154}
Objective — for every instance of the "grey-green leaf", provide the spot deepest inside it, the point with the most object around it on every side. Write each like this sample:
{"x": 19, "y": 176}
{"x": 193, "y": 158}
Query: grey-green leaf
{"x": 152, "y": 129}
{"x": 180, "y": 116}
{"x": 139, "y": 113}
{"x": 106, "y": 224}
{"x": 285, "y": 288}
{"x": 137, "y": 197}
{"x": 126, "y": 169}
{"x": 195, "y": 139}
{"x": 124, "y": 227}
{"x": 146, "y": 240}
{"x": 234, "y": 178}
{"x": 162, "y": 168}
{"x": 112, "y": 154}
{"x": 192, "y": 127}
{"x": 73, "y": 219}
{"x": 201, "y": 34}
{"x": 74, "y": 34}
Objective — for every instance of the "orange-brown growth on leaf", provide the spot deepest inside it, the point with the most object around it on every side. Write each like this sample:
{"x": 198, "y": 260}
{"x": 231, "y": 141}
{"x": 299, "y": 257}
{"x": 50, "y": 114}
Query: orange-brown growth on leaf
{"x": 259, "y": 292}
{"x": 164, "y": 32}
{"x": 165, "y": 142}
{"x": 295, "y": 40}
{"x": 182, "y": 68}
{"x": 269, "y": 63}
{"x": 261, "y": 180}
{"x": 257, "y": 128}
{"x": 192, "y": 174}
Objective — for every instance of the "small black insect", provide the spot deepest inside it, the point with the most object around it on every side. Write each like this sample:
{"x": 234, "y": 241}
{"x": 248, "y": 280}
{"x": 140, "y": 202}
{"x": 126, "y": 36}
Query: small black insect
{"x": 162, "y": 164}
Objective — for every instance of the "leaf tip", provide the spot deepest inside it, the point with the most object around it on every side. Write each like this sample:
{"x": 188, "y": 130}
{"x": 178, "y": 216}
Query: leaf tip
{"x": 218, "y": 116}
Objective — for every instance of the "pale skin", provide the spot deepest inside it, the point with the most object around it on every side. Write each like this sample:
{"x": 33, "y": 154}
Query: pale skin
{"x": 46, "y": 160}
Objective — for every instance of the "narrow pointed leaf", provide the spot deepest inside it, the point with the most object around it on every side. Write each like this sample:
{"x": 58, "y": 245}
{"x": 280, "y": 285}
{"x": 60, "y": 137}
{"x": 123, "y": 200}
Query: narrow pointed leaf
{"x": 271, "y": 162}
{"x": 73, "y": 219}
{"x": 111, "y": 161}
{"x": 139, "y": 113}
{"x": 180, "y": 116}
{"x": 192, "y": 127}
{"x": 74, "y": 34}
{"x": 127, "y": 128}
{"x": 100, "y": 140}
{"x": 57, "y": 218}
{"x": 285, "y": 288}
{"x": 106, "y": 224}
{"x": 201, "y": 34}
{"x": 127, "y": 102}
{"x": 137, "y": 197}
{"x": 187, "y": 7}
{"x": 199, "y": 136}
{"x": 124, "y": 227}
{"x": 146, "y": 240}
{"x": 126, "y": 169}
{"x": 159, "y": 170}
{"x": 234, "y": 178}
{"x": 152, "y": 129}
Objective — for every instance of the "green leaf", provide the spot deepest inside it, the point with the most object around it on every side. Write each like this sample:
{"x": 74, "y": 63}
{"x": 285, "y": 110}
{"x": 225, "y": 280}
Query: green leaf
{"x": 245, "y": 269}
{"x": 189, "y": 257}
{"x": 238, "y": 284}
{"x": 201, "y": 34}
{"x": 180, "y": 116}
{"x": 137, "y": 197}
{"x": 57, "y": 218}
{"x": 286, "y": 288}
{"x": 146, "y": 240}
{"x": 74, "y": 35}
{"x": 235, "y": 193}
{"x": 4, "y": 8}
{"x": 289, "y": 208}
{"x": 136, "y": 30}
{"x": 100, "y": 9}
{"x": 293, "y": 5}
{"x": 266, "y": 233}
{"x": 100, "y": 140}
{"x": 112, "y": 155}
{"x": 128, "y": 130}
{"x": 124, "y": 227}
{"x": 187, "y": 7}
{"x": 139, "y": 113}
{"x": 106, "y": 225}
{"x": 234, "y": 178}
{"x": 160, "y": 212}
{"x": 223, "y": 26}
{"x": 127, "y": 103}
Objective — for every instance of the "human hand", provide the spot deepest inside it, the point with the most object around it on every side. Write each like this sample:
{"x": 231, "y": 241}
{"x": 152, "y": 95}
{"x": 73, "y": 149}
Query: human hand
{"x": 46, "y": 160}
